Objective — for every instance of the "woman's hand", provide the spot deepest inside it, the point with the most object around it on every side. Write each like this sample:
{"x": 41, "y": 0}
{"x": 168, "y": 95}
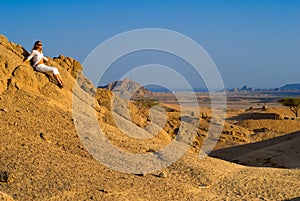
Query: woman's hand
{"x": 24, "y": 61}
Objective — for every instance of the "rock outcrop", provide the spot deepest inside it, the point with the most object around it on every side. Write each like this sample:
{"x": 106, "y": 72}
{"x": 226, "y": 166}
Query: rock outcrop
{"x": 5, "y": 197}
{"x": 14, "y": 75}
{"x": 128, "y": 89}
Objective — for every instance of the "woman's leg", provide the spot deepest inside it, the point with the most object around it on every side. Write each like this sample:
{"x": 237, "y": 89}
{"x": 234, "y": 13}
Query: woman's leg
{"x": 59, "y": 79}
{"x": 46, "y": 69}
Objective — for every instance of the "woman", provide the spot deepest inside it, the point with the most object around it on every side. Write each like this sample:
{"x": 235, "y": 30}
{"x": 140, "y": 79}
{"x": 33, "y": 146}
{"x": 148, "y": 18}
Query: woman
{"x": 38, "y": 62}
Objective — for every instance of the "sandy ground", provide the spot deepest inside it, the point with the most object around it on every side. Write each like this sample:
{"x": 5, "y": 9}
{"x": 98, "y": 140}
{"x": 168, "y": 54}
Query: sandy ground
{"x": 45, "y": 160}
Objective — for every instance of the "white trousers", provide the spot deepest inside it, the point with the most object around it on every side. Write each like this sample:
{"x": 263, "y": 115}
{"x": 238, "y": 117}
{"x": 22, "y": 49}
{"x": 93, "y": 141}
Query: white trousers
{"x": 46, "y": 69}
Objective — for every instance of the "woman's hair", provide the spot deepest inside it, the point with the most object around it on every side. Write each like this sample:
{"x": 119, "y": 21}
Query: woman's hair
{"x": 36, "y": 44}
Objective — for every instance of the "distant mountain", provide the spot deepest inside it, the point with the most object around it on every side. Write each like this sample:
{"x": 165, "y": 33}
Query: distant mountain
{"x": 289, "y": 87}
{"x": 245, "y": 88}
{"x": 127, "y": 89}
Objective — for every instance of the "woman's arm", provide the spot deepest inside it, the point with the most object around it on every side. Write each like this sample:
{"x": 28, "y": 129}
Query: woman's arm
{"x": 29, "y": 57}
{"x": 46, "y": 59}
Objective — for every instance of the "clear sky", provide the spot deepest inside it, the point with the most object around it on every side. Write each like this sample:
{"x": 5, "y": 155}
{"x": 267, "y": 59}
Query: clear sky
{"x": 253, "y": 42}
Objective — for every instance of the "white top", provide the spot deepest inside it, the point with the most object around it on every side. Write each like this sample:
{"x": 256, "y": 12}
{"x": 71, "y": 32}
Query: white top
{"x": 36, "y": 56}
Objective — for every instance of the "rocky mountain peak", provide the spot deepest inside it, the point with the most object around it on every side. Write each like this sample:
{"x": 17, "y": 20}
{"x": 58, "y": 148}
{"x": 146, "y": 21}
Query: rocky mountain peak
{"x": 128, "y": 89}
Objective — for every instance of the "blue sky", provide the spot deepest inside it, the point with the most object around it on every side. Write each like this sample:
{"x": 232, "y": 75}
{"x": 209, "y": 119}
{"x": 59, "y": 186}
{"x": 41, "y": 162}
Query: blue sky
{"x": 253, "y": 42}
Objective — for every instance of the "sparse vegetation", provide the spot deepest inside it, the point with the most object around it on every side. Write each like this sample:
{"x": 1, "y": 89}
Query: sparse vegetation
{"x": 143, "y": 102}
{"x": 292, "y": 103}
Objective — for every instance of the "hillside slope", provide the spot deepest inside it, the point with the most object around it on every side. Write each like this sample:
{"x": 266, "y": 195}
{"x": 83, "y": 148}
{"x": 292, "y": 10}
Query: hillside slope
{"x": 43, "y": 158}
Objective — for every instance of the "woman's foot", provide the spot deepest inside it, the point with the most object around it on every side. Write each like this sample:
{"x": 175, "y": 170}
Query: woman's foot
{"x": 61, "y": 85}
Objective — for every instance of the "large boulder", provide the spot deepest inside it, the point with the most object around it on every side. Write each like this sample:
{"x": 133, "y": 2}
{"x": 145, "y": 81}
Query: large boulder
{"x": 11, "y": 56}
{"x": 72, "y": 66}
{"x": 5, "y": 197}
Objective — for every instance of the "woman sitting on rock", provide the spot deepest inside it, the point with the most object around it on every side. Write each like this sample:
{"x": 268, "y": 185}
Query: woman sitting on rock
{"x": 38, "y": 62}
